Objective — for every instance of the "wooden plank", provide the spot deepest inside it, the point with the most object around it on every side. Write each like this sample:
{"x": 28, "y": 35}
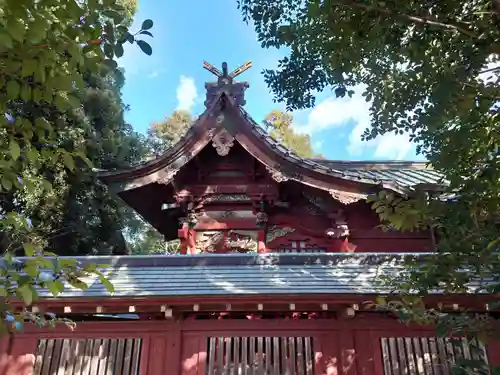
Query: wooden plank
{"x": 268, "y": 355}
{"x": 72, "y": 356}
{"x": 47, "y": 358}
{"x": 65, "y": 357}
{"x": 56, "y": 357}
{"x": 119, "y": 357}
{"x": 87, "y": 358}
{"x": 111, "y": 360}
{"x": 94, "y": 361}
{"x": 103, "y": 357}
{"x": 136, "y": 355}
{"x": 40, "y": 353}
{"x": 80, "y": 356}
{"x": 127, "y": 356}
{"x": 309, "y": 355}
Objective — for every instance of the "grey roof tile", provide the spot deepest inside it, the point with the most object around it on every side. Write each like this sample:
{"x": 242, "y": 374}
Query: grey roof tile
{"x": 242, "y": 274}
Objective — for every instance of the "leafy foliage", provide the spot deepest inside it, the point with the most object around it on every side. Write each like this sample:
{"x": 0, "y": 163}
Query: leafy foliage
{"x": 167, "y": 132}
{"x": 429, "y": 69}
{"x": 279, "y": 126}
{"x": 48, "y": 53}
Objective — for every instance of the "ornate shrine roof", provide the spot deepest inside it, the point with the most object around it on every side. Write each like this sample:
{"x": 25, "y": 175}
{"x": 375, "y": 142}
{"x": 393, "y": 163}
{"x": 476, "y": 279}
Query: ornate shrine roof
{"x": 245, "y": 274}
{"x": 225, "y": 123}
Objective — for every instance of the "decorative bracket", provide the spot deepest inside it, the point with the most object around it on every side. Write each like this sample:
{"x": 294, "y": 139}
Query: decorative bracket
{"x": 276, "y": 175}
{"x": 169, "y": 175}
{"x": 345, "y": 197}
{"x": 223, "y": 141}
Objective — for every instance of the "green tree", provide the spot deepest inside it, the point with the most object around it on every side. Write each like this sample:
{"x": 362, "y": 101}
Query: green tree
{"x": 161, "y": 135}
{"x": 46, "y": 52}
{"x": 78, "y": 216}
{"x": 427, "y": 68}
{"x": 279, "y": 126}
{"x": 167, "y": 132}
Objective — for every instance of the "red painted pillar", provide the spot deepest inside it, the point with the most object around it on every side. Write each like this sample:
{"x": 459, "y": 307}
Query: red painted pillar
{"x": 261, "y": 241}
{"x": 183, "y": 234}
{"x": 493, "y": 351}
{"x": 191, "y": 241}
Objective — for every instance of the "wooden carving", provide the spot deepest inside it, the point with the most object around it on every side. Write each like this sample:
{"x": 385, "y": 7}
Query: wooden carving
{"x": 223, "y": 141}
{"x": 276, "y": 232}
{"x": 169, "y": 175}
{"x": 346, "y": 197}
{"x": 277, "y": 175}
{"x": 230, "y": 241}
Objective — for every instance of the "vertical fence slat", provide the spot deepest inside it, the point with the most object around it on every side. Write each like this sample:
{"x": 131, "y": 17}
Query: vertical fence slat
{"x": 136, "y": 356}
{"x": 293, "y": 355}
{"x": 47, "y": 357}
{"x": 127, "y": 356}
{"x": 252, "y": 360}
{"x": 64, "y": 358}
{"x": 42, "y": 344}
{"x": 94, "y": 361}
{"x": 103, "y": 356}
{"x": 424, "y": 355}
{"x": 308, "y": 353}
{"x": 285, "y": 359}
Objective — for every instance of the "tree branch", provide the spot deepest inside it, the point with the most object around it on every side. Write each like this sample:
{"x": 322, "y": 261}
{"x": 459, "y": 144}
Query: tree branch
{"x": 420, "y": 20}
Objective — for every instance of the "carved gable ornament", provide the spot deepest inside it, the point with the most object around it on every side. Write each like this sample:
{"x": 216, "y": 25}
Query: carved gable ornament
{"x": 346, "y": 197}
{"x": 168, "y": 174}
{"x": 277, "y": 175}
{"x": 223, "y": 141}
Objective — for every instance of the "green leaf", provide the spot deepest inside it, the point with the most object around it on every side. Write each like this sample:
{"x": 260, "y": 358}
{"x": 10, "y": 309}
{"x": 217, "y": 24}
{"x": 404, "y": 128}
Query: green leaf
{"x": 14, "y": 149}
{"x": 26, "y": 92}
{"x": 13, "y": 89}
{"x": 25, "y": 292}
{"x": 111, "y": 64}
{"x": 55, "y": 287}
{"x": 28, "y": 68}
{"x": 6, "y": 183}
{"x": 29, "y": 249}
{"x": 74, "y": 101}
{"x": 109, "y": 51}
{"x": 147, "y": 24}
{"x": 144, "y": 32}
{"x": 129, "y": 38}
{"x": 16, "y": 28}
{"x": 31, "y": 271}
{"x": 107, "y": 284}
{"x": 119, "y": 50}
{"x": 381, "y": 301}
{"x": 145, "y": 47}
{"x": 5, "y": 40}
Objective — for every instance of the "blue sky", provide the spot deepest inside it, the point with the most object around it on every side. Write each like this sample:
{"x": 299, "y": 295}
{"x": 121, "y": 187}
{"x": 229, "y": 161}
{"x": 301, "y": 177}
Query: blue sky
{"x": 186, "y": 33}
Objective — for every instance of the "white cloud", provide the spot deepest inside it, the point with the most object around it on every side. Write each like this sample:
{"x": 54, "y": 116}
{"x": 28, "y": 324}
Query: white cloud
{"x": 317, "y": 145}
{"x": 333, "y": 112}
{"x": 154, "y": 74}
{"x": 186, "y": 93}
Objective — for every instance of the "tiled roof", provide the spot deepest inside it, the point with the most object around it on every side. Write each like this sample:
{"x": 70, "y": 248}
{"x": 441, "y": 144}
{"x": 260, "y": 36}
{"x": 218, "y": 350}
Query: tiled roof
{"x": 402, "y": 173}
{"x": 395, "y": 173}
{"x": 242, "y": 274}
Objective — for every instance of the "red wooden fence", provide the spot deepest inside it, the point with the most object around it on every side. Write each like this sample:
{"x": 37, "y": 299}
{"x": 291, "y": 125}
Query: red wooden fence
{"x": 361, "y": 346}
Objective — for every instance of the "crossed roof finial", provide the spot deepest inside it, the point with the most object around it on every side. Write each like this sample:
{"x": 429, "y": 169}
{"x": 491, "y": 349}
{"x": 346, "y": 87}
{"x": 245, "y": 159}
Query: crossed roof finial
{"x": 224, "y": 74}
{"x": 225, "y": 82}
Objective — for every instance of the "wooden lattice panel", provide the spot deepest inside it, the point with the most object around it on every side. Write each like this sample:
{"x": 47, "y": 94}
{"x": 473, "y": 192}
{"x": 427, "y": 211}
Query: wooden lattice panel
{"x": 426, "y": 355}
{"x": 89, "y": 357}
{"x": 260, "y": 355}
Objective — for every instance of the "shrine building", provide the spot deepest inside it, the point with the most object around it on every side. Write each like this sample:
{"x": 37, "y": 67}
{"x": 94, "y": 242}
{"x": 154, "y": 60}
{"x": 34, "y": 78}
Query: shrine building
{"x": 278, "y": 256}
